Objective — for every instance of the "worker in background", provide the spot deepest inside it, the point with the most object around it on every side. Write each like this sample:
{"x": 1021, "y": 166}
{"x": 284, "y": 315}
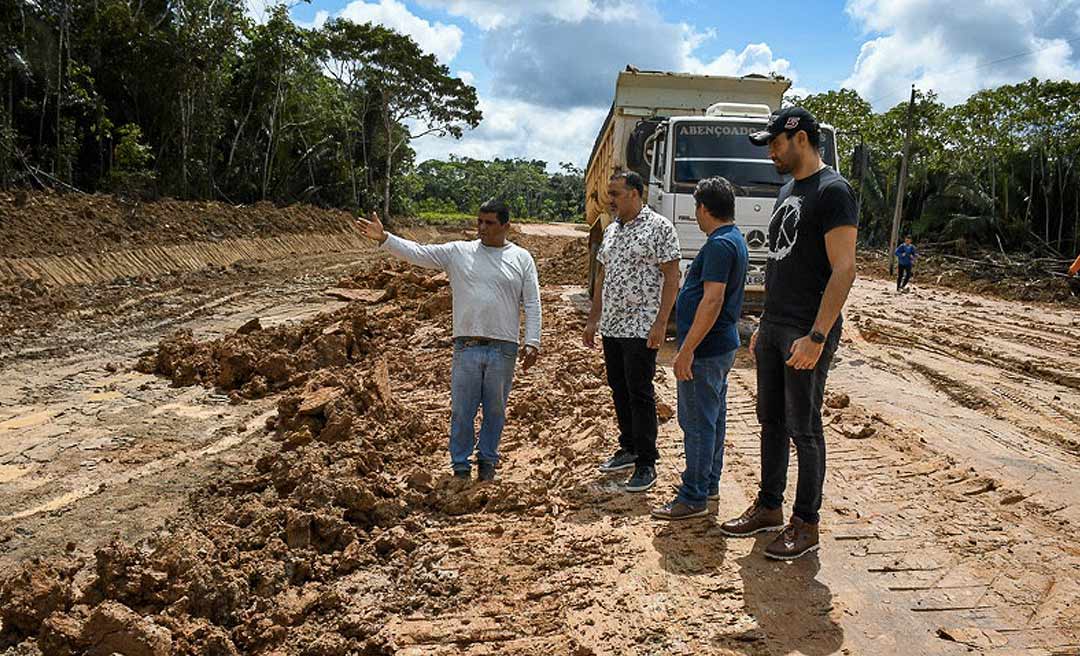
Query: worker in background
{"x": 905, "y": 261}
{"x": 636, "y": 285}
{"x": 1074, "y": 277}
{"x": 491, "y": 280}
{"x": 707, "y": 325}
{"x": 809, "y": 274}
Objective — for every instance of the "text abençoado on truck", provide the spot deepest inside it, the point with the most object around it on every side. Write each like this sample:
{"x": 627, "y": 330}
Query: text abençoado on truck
{"x": 675, "y": 129}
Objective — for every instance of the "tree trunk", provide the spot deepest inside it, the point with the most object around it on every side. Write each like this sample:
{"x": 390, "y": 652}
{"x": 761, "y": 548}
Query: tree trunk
{"x": 1031, "y": 190}
{"x": 389, "y": 158}
{"x": 59, "y": 90}
{"x": 1046, "y": 196}
{"x": 1062, "y": 176}
{"x": 352, "y": 163}
{"x": 10, "y": 126}
{"x": 185, "y": 130}
{"x": 271, "y": 141}
{"x": 240, "y": 131}
{"x": 1076, "y": 220}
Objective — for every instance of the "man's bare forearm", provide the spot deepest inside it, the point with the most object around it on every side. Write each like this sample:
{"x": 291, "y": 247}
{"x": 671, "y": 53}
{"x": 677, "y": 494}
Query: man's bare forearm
{"x": 598, "y": 296}
{"x": 670, "y": 291}
{"x": 832, "y": 302}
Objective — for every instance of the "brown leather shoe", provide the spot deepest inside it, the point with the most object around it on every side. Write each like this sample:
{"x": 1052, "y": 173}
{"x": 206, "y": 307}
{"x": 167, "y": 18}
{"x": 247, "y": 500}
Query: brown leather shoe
{"x": 755, "y": 520}
{"x": 797, "y": 539}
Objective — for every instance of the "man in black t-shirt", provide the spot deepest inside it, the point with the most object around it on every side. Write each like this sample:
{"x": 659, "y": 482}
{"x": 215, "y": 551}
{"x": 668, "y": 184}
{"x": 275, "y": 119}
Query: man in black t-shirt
{"x": 810, "y": 271}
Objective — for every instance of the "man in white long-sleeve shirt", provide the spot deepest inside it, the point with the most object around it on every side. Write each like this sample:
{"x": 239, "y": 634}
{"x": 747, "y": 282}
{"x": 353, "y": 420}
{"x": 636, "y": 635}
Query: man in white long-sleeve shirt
{"x": 490, "y": 279}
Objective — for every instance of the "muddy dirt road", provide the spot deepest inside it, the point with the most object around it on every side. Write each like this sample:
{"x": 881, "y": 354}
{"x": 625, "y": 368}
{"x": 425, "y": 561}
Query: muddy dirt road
{"x": 315, "y": 517}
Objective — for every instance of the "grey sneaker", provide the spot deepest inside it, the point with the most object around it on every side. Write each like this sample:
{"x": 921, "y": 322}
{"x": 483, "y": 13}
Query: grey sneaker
{"x": 676, "y": 510}
{"x": 621, "y": 460}
{"x": 644, "y": 478}
{"x": 485, "y": 471}
{"x": 463, "y": 474}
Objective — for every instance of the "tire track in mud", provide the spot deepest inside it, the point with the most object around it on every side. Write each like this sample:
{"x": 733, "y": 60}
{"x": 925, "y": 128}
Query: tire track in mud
{"x": 946, "y": 546}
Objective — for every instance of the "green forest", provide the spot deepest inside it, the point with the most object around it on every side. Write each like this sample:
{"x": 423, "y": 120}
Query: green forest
{"x": 192, "y": 99}
{"x": 1000, "y": 169}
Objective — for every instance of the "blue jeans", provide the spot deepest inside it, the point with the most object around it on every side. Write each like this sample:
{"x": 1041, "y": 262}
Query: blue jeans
{"x": 703, "y": 419}
{"x": 481, "y": 375}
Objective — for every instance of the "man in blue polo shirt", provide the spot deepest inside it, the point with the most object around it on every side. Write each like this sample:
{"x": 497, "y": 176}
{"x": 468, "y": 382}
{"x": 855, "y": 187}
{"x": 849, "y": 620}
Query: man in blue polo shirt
{"x": 707, "y": 317}
{"x": 905, "y": 258}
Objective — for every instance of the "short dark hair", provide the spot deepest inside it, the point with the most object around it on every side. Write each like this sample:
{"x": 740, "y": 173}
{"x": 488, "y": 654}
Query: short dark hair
{"x": 498, "y": 208}
{"x": 718, "y": 197}
{"x": 632, "y": 179}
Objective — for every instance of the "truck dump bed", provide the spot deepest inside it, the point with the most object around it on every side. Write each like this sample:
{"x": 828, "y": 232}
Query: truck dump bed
{"x": 647, "y": 94}
{"x": 643, "y": 95}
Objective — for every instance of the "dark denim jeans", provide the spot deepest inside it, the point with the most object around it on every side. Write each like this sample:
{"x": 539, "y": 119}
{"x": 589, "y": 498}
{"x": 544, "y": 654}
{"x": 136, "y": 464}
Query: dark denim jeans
{"x": 631, "y": 366}
{"x": 789, "y": 408}
{"x": 703, "y": 419}
{"x": 480, "y": 375}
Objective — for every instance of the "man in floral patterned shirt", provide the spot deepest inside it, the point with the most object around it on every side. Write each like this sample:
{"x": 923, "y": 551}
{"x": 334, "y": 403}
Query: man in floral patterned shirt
{"x": 636, "y": 285}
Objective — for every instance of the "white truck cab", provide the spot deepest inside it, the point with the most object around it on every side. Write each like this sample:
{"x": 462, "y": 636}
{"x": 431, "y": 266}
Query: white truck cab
{"x": 686, "y": 149}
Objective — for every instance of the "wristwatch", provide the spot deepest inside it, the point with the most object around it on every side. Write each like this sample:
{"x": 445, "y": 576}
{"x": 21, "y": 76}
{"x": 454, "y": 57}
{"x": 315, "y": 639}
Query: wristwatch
{"x": 816, "y": 337}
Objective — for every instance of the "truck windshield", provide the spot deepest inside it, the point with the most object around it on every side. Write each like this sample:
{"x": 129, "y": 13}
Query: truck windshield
{"x": 704, "y": 149}
{"x": 751, "y": 178}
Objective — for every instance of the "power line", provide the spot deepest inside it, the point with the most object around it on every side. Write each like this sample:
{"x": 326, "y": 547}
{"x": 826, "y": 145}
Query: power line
{"x": 985, "y": 64}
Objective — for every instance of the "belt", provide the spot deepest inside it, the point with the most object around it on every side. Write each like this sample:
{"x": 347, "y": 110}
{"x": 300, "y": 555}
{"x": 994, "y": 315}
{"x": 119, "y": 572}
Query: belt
{"x": 477, "y": 341}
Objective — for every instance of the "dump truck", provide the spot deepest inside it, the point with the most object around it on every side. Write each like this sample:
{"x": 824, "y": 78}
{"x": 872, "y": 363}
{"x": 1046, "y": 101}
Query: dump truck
{"x": 675, "y": 129}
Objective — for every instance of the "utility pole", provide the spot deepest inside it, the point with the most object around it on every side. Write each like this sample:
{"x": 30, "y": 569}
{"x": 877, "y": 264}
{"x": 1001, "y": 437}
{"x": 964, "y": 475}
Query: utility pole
{"x": 894, "y": 236}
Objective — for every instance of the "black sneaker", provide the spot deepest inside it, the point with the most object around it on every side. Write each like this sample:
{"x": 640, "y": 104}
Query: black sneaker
{"x": 644, "y": 478}
{"x": 463, "y": 474}
{"x": 621, "y": 460}
{"x": 485, "y": 471}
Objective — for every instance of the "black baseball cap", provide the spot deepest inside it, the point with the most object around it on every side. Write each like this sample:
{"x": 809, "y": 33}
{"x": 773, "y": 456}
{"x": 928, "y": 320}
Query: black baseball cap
{"x": 790, "y": 120}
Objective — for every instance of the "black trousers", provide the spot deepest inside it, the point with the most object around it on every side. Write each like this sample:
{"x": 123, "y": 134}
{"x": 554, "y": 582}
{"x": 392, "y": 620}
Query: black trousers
{"x": 631, "y": 366}
{"x": 903, "y": 276}
{"x": 789, "y": 408}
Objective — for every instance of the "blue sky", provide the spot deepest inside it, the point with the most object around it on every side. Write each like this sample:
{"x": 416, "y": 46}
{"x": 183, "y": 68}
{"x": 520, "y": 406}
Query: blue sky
{"x": 545, "y": 69}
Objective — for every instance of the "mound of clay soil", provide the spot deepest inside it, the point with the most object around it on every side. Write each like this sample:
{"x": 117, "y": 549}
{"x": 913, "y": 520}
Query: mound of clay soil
{"x": 256, "y": 361}
{"x": 1010, "y": 283}
{"x": 568, "y": 267}
{"x": 50, "y": 224}
{"x": 339, "y": 530}
{"x": 295, "y": 556}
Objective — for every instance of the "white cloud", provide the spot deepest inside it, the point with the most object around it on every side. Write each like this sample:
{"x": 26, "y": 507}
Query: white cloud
{"x": 514, "y": 128}
{"x": 321, "y": 16}
{"x": 439, "y": 39}
{"x": 573, "y": 63}
{"x": 957, "y": 53}
{"x": 467, "y": 77}
{"x": 491, "y": 14}
{"x": 553, "y": 68}
{"x": 754, "y": 58}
